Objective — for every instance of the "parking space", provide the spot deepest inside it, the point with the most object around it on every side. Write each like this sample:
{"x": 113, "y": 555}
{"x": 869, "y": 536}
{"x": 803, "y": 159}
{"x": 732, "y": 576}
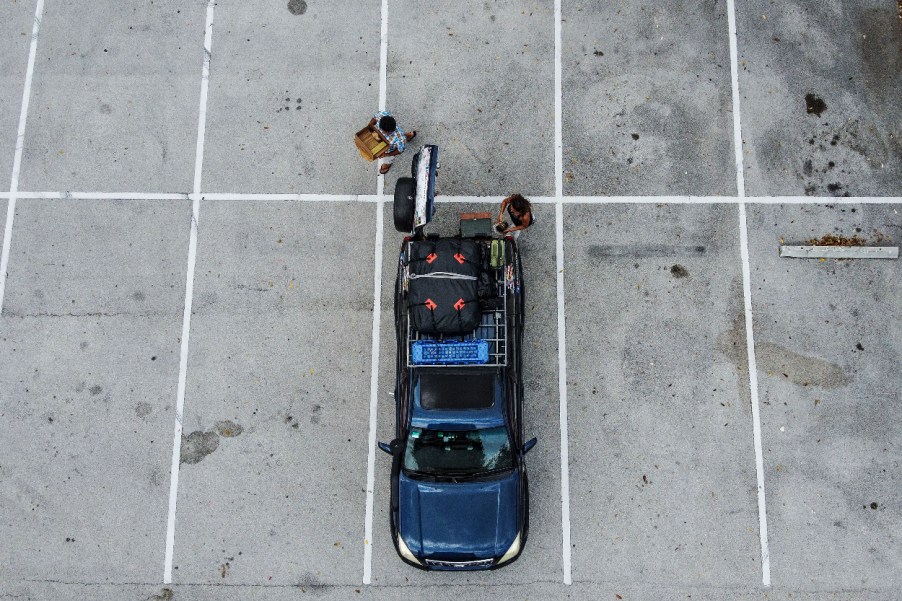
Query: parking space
{"x": 662, "y": 464}
{"x": 646, "y": 101}
{"x": 819, "y": 86}
{"x": 15, "y": 35}
{"x": 827, "y": 343}
{"x": 97, "y": 257}
{"x": 273, "y": 458}
{"x": 88, "y": 383}
{"x": 541, "y": 559}
{"x": 477, "y": 78}
{"x": 87, "y": 444}
{"x": 286, "y": 88}
{"x": 114, "y": 98}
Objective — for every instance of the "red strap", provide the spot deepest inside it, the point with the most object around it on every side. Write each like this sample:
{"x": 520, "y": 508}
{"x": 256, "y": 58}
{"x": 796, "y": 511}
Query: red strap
{"x": 431, "y": 257}
{"x": 430, "y": 304}
{"x": 460, "y": 258}
{"x": 459, "y": 304}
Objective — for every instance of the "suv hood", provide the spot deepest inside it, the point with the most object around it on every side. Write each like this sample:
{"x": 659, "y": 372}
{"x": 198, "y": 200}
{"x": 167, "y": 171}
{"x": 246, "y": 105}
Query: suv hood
{"x": 465, "y": 520}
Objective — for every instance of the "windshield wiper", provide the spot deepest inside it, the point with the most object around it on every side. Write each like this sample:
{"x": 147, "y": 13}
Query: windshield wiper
{"x": 422, "y": 475}
{"x": 499, "y": 470}
{"x": 466, "y": 476}
{"x": 458, "y": 476}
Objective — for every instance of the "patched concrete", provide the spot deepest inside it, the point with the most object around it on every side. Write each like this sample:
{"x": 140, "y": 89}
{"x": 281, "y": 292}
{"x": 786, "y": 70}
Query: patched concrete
{"x": 114, "y": 98}
{"x": 819, "y": 85}
{"x": 289, "y": 88}
{"x": 827, "y": 338}
{"x": 477, "y": 78}
{"x": 15, "y": 40}
{"x": 87, "y": 442}
{"x": 662, "y": 466}
{"x": 89, "y": 385}
{"x": 278, "y": 377}
{"x": 646, "y": 99}
{"x": 43, "y": 591}
{"x": 100, "y": 258}
{"x": 271, "y": 502}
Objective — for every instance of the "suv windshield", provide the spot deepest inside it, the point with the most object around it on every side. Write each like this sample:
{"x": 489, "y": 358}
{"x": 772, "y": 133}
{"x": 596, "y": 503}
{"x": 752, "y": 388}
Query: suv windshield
{"x": 458, "y": 453}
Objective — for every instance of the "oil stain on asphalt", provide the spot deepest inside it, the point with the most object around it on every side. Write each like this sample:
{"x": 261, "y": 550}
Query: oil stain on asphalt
{"x": 799, "y": 369}
{"x": 197, "y": 445}
{"x": 678, "y": 271}
{"x": 297, "y": 7}
{"x": 814, "y": 105}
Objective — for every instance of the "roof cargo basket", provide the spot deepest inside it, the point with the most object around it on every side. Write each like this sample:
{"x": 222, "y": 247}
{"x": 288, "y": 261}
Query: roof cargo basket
{"x": 449, "y": 352}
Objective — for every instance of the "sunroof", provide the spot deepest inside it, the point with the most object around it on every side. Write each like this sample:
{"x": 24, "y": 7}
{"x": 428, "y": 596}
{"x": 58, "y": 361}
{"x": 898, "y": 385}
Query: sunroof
{"x": 457, "y": 389}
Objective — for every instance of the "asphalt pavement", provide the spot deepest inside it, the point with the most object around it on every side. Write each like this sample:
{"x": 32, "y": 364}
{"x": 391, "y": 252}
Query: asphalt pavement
{"x": 196, "y": 321}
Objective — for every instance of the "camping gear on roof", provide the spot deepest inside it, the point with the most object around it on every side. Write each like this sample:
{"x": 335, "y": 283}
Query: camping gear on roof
{"x": 443, "y": 286}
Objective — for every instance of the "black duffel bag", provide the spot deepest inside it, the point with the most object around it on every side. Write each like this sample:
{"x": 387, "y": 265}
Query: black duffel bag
{"x": 443, "y": 286}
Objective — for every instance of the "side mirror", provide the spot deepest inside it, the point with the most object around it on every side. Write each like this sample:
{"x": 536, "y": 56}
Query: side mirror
{"x": 392, "y": 448}
{"x": 529, "y": 444}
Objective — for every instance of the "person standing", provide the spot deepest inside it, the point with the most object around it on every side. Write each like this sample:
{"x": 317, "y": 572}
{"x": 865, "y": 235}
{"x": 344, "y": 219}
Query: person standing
{"x": 519, "y": 211}
{"x": 395, "y": 136}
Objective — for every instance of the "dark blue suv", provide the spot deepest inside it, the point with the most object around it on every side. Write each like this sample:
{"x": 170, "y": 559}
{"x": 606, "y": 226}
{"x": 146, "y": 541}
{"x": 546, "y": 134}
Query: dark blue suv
{"x": 459, "y": 488}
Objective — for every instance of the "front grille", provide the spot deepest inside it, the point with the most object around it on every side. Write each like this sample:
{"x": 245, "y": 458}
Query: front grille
{"x": 479, "y": 563}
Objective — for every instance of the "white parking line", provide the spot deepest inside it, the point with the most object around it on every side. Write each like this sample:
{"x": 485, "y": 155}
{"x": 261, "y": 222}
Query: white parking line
{"x": 734, "y": 82}
{"x": 20, "y": 145}
{"x": 766, "y": 200}
{"x": 747, "y": 295}
{"x": 561, "y": 333}
{"x": 189, "y": 296}
{"x": 374, "y": 198}
{"x": 562, "y": 392}
{"x": 383, "y": 79}
{"x": 829, "y": 200}
{"x": 292, "y": 197}
{"x": 753, "y": 388}
{"x": 102, "y": 196}
{"x": 374, "y": 400}
{"x": 558, "y": 109}
{"x": 377, "y": 316}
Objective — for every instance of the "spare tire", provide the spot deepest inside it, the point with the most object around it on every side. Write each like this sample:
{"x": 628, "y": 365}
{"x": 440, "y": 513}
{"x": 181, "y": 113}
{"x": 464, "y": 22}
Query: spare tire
{"x": 405, "y": 203}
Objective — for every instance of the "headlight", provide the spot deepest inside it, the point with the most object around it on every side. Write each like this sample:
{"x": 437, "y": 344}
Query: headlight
{"x": 406, "y": 554}
{"x": 512, "y": 552}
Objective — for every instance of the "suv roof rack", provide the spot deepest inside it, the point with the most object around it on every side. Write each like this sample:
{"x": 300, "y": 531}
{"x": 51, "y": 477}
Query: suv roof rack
{"x": 484, "y": 346}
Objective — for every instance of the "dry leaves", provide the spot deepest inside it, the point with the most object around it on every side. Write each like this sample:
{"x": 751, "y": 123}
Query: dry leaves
{"x": 836, "y": 240}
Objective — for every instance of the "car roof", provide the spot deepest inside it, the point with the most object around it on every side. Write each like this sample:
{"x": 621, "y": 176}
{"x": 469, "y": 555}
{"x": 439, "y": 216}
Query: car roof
{"x": 457, "y": 398}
